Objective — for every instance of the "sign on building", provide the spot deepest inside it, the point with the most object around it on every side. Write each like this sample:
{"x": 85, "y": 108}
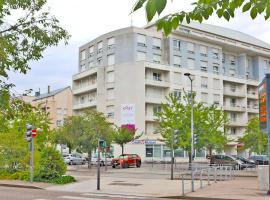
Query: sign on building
{"x": 128, "y": 115}
{"x": 262, "y": 106}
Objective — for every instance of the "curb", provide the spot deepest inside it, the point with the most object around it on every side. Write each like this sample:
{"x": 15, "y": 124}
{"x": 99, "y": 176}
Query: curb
{"x": 20, "y": 186}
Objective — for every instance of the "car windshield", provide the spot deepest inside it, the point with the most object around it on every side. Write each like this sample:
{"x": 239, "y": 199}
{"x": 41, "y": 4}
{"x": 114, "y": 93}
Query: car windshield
{"x": 123, "y": 156}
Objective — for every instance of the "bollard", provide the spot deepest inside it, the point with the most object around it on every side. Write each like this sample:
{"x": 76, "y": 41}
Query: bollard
{"x": 183, "y": 186}
{"x": 215, "y": 174}
{"x": 192, "y": 181}
{"x": 201, "y": 186}
{"x": 208, "y": 176}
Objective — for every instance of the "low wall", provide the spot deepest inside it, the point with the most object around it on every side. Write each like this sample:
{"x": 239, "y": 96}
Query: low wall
{"x": 263, "y": 177}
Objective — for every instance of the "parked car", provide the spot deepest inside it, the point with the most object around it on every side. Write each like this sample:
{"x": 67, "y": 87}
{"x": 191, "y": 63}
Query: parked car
{"x": 109, "y": 158}
{"x": 126, "y": 160}
{"x": 260, "y": 159}
{"x": 248, "y": 162}
{"x": 74, "y": 159}
{"x": 227, "y": 161}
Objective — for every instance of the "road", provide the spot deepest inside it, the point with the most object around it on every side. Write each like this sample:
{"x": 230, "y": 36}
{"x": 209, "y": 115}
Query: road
{"x": 10, "y": 193}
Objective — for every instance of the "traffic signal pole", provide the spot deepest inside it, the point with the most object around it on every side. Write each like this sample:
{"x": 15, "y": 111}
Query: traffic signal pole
{"x": 31, "y": 144}
{"x": 172, "y": 154}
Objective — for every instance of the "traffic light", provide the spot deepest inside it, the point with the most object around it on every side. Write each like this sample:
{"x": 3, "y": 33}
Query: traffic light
{"x": 176, "y": 136}
{"x": 195, "y": 138}
{"x": 102, "y": 144}
{"x": 28, "y": 133}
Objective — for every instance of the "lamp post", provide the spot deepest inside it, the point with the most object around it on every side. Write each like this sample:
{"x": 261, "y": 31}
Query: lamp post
{"x": 192, "y": 129}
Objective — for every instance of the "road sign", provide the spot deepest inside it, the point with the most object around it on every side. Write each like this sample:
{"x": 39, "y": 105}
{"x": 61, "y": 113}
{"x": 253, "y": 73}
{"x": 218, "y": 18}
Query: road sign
{"x": 34, "y": 132}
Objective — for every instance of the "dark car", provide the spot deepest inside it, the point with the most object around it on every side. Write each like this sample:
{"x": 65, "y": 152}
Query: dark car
{"x": 260, "y": 159}
{"x": 126, "y": 160}
{"x": 248, "y": 162}
{"x": 226, "y": 160}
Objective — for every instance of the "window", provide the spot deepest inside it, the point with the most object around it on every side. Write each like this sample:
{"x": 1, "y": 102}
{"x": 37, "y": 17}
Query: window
{"x": 91, "y": 51}
{"x": 215, "y": 53}
{"x": 233, "y": 117}
{"x": 111, "y": 59}
{"x": 232, "y": 72}
{"x": 91, "y": 64}
{"x": 232, "y": 59}
{"x": 141, "y": 55}
{"x": 223, "y": 58}
{"x": 176, "y": 45}
{"x": 216, "y": 84}
{"x": 177, "y": 61}
{"x": 216, "y": 99}
{"x": 177, "y": 78}
{"x": 156, "y": 109}
{"x": 83, "y": 55}
{"x": 156, "y": 58}
{"x": 141, "y": 40}
{"x": 110, "y": 77}
{"x": 156, "y": 43}
{"x": 233, "y": 87}
{"x": 177, "y": 94}
{"x": 110, "y": 93}
{"x": 111, "y": 43}
{"x": 82, "y": 99}
{"x": 233, "y": 131}
{"x": 203, "y": 51}
{"x": 99, "y": 60}
{"x": 110, "y": 111}
{"x": 203, "y": 66}
{"x": 191, "y": 63}
{"x": 204, "y": 97}
{"x": 204, "y": 82}
{"x": 216, "y": 68}
{"x": 190, "y": 47}
{"x": 233, "y": 102}
{"x": 157, "y": 76}
{"x": 59, "y": 123}
{"x": 100, "y": 47}
{"x": 83, "y": 67}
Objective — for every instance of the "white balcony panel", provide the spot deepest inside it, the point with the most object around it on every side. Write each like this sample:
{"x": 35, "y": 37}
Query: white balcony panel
{"x": 85, "y": 105}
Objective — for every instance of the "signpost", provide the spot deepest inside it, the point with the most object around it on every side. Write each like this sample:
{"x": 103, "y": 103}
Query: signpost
{"x": 264, "y": 114}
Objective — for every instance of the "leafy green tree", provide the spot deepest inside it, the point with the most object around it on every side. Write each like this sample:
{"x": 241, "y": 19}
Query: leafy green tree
{"x": 84, "y": 131}
{"x": 24, "y": 38}
{"x": 254, "y": 139}
{"x": 123, "y": 135}
{"x": 175, "y": 115}
{"x": 202, "y": 10}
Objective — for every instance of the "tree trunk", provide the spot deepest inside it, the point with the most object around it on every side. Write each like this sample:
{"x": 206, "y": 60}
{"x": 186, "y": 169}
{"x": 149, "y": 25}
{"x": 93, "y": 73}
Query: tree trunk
{"x": 122, "y": 146}
{"x": 210, "y": 152}
{"x": 189, "y": 157}
{"x": 89, "y": 159}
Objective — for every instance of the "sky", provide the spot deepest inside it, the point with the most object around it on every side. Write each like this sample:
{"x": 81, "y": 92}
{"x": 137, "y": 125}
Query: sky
{"x": 87, "y": 19}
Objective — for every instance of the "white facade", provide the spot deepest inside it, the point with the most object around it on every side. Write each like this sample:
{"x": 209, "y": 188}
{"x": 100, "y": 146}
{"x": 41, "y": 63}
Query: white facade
{"x": 139, "y": 66}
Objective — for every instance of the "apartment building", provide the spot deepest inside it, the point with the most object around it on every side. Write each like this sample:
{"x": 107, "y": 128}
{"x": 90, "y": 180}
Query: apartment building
{"x": 58, "y": 103}
{"x": 139, "y": 67}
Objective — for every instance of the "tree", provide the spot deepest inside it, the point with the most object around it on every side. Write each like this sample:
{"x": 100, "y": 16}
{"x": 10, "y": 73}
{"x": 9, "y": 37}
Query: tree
{"x": 28, "y": 36}
{"x": 175, "y": 115}
{"x": 254, "y": 139}
{"x": 123, "y": 135}
{"x": 202, "y": 10}
{"x": 84, "y": 131}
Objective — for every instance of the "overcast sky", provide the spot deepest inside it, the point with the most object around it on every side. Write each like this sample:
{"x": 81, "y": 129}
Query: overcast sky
{"x": 87, "y": 19}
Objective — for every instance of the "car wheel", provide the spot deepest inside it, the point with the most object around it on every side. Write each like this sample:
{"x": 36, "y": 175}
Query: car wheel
{"x": 138, "y": 164}
{"x": 126, "y": 165}
{"x": 71, "y": 162}
{"x": 113, "y": 166}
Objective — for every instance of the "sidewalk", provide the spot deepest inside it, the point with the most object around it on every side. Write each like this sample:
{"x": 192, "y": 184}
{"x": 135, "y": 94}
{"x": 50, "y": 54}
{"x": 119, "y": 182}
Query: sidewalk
{"x": 244, "y": 188}
{"x": 23, "y": 184}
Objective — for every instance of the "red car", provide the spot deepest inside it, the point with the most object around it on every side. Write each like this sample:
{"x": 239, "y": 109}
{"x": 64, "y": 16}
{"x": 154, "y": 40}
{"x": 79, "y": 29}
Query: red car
{"x": 126, "y": 160}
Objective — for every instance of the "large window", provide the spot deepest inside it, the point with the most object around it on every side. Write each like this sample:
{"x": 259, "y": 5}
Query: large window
{"x": 111, "y": 59}
{"x": 203, "y": 51}
{"x": 91, "y": 51}
{"x": 83, "y": 55}
{"x": 99, "y": 60}
{"x": 157, "y": 76}
{"x": 110, "y": 93}
{"x": 204, "y": 82}
{"x": 156, "y": 109}
{"x": 111, "y": 43}
{"x": 177, "y": 61}
{"x": 176, "y": 45}
{"x": 215, "y": 53}
{"x": 203, "y": 66}
{"x": 156, "y": 43}
{"x": 204, "y": 97}
{"x": 177, "y": 94}
{"x": 100, "y": 47}
{"x": 156, "y": 58}
{"x": 216, "y": 68}
{"x": 141, "y": 55}
{"x": 216, "y": 99}
{"x": 110, "y": 77}
{"x": 191, "y": 63}
{"x": 190, "y": 47}
{"x": 232, "y": 59}
{"x": 141, "y": 40}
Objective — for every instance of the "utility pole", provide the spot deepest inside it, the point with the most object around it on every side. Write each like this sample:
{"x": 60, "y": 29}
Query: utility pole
{"x": 98, "y": 167}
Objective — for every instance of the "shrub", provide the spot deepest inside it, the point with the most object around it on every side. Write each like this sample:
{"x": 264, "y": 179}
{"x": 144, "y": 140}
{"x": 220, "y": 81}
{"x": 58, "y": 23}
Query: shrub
{"x": 62, "y": 180}
{"x": 51, "y": 164}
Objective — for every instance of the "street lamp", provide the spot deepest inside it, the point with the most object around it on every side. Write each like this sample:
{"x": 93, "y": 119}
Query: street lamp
{"x": 192, "y": 129}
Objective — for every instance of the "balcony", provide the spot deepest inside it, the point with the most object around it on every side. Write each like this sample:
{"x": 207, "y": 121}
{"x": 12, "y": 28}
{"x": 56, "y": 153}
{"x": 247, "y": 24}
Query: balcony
{"x": 252, "y": 82}
{"x": 253, "y": 109}
{"x": 234, "y": 92}
{"x": 155, "y": 100}
{"x": 236, "y": 123}
{"x": 150, "y": 118}
{"x": 234, "y": 107}
{"x": 84, "y": 89}
{"x": 86, "y": 104}
{"x": 252, "y": 95}
{"x": 85, "y": 73}
{"x": 157, "y": 82}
